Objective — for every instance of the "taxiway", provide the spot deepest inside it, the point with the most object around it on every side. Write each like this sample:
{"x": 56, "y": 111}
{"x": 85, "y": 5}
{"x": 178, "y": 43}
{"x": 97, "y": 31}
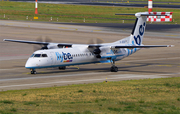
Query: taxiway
{"x": 146, "y": 63}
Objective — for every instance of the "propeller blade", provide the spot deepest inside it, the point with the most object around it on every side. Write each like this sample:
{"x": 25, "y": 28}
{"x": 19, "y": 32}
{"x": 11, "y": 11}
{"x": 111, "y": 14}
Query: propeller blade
{"x": 48, "y": 39}
{"x": 39, "y": 39}
{"x": 99, "y": 41}
{"x": 38, "y": 47}
{"x": 91, "y": 41}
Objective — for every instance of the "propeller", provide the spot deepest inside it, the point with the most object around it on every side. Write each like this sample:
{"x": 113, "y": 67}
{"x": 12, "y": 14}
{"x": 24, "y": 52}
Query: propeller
{"x": 95, "y": 49}
{"x": 40, "y": 46}
{"x": 95, "y": 41}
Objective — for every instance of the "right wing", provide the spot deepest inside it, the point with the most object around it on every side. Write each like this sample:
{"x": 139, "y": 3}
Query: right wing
{"x": 142, "y": 46}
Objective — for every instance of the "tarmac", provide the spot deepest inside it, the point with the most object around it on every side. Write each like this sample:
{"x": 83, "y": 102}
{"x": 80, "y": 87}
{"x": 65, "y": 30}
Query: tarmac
{"x": 145, "y": 64}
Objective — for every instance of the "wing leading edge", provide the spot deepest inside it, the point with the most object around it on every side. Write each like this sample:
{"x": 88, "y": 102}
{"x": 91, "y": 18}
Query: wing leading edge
{"x": 36, "y": 42}
{"x": 28, "y": 42}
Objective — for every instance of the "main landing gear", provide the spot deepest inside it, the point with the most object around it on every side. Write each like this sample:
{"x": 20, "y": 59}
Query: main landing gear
{"x": 113, "y": 68}
{"x": 62, "y": 68}
{"x": 33, "y": 71}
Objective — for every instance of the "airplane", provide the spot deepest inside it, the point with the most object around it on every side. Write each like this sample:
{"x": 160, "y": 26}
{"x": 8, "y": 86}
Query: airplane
{"x": 66, "y": 54}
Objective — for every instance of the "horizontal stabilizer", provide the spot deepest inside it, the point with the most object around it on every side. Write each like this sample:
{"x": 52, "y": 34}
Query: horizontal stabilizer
{"x": 147, "y": 46}
{"x": 124, "y": 14}
{"x": 144, "y": 14}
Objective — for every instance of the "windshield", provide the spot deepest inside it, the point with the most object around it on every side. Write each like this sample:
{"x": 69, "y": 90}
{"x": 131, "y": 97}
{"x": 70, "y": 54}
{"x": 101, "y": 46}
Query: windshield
{"x": 39, "y": 55}
{"x": 44, "y": 55}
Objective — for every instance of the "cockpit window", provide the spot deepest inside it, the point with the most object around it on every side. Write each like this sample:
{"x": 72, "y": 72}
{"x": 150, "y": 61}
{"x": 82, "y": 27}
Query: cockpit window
{"x": 44, "y": 55}
{"x": 32, "y": 55}
{"x": 37, "y": 55}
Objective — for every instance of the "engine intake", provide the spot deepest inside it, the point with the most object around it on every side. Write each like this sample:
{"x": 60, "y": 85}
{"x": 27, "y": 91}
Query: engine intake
{"x": 97, "y": 51}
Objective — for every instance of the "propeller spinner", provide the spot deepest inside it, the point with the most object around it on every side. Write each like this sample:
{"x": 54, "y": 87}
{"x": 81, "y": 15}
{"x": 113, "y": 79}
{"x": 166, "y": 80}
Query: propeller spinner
{"x": 95, "y": 48}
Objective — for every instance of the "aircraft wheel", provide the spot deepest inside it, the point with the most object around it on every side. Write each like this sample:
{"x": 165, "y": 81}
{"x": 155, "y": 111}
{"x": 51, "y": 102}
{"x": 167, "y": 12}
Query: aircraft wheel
{"x": 114, "y": 69}
{"x": 33, "y": 72}
{"x": 62, "y": 68}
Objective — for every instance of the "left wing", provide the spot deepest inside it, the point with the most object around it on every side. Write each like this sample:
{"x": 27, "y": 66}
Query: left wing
{"x": 28, "y": 42}
{"x": 46, "y": 44}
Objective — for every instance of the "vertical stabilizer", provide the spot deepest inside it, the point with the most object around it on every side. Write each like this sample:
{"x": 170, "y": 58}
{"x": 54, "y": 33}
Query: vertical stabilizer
{"x": 137, "y": 33}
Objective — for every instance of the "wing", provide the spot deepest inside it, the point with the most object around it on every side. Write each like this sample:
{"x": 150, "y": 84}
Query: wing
{"x": 40, "y": 43}
{"x": 142, "y": 46}
{"x": 28, "y": 42}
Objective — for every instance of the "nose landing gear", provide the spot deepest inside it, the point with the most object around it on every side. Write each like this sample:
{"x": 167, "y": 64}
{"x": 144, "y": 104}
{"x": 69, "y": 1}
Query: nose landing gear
{"x": 62, "y": 68}
{"x": 113, "y": 68}
{"x": 33, "y": 71}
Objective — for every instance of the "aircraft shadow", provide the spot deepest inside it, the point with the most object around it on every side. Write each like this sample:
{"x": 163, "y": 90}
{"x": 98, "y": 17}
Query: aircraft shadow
{"x": 105, "y": 69}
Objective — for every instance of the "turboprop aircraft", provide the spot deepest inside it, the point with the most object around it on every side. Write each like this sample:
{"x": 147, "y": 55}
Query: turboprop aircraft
{"x": 66, "y": 54}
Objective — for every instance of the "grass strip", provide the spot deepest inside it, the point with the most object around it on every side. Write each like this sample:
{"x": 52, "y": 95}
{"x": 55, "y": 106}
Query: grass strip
{"x": 73, "y": 13}
{"x": 133, "y": 96}
{"x": 140, "y": 0}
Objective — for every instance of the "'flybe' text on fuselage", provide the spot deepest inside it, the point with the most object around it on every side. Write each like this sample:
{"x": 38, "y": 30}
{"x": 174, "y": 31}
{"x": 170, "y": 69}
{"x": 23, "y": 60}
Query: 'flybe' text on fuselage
{"x": 64, "y": 57}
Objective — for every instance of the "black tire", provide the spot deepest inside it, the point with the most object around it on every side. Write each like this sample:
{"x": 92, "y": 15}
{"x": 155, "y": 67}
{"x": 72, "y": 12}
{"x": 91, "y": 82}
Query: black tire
{"x": 114, "y": 69}
{"x": 62, "y": 68}
{"x": 33, "y": 72}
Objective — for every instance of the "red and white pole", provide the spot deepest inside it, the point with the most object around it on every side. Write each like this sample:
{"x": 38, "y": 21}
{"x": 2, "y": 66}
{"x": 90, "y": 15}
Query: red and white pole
{"x": 36, "y": 6}
{"x": 150, "y": 3}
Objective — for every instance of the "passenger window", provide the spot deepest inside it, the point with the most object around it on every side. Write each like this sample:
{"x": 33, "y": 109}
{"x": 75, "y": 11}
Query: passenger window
{"x": 44, "y": 55}
{"x": 37, "y": 55}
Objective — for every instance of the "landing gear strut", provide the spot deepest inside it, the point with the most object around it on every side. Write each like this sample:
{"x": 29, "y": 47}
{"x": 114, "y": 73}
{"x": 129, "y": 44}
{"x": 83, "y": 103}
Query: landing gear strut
{"x": 113, "y": 68}
{"x": 62, "y": 68}
{"x": 33, "y": 71}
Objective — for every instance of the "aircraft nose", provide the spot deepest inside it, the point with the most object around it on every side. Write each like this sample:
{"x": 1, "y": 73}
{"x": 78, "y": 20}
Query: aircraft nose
{"x": 28, "y": 63}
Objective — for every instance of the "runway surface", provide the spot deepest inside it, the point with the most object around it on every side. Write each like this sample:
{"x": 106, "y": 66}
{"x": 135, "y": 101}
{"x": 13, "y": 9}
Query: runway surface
{"x": 146, "y": 63}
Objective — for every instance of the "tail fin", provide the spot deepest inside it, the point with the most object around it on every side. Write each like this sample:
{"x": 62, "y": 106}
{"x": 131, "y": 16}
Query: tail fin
{"x": 137, "y": 33}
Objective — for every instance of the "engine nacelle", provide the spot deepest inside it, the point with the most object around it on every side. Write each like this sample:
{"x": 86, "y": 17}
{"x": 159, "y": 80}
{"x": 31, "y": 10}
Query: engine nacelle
{"x": 97, "y": 51}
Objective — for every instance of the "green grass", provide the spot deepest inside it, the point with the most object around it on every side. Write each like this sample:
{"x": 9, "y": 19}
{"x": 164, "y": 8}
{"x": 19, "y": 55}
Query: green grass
{"x": 73, "y": 13}
{"x": 164, "y": 2}
{"x": 157, "y": 96}
{"x": 140, "y": 0}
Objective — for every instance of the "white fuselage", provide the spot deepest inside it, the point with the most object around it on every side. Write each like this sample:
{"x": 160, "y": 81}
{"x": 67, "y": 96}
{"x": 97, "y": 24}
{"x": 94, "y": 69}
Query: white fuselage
{"x": 77, "y": 55}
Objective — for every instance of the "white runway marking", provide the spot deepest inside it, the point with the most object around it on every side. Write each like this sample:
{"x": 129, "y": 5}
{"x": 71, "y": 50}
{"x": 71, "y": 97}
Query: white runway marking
{"x": 132, "y": 75}
{"x": 56, "y": 76}
{"x": 125, "y": 76}
{"x": 11, "y": 69}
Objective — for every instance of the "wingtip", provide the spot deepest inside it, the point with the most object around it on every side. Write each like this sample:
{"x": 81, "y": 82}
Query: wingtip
{"x": 170, "y": 46}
